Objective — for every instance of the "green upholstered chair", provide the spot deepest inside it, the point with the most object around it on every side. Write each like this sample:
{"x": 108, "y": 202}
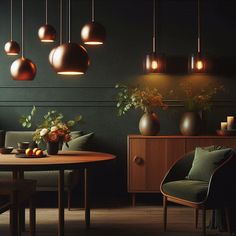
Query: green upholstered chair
{"x": 218, "y": 192}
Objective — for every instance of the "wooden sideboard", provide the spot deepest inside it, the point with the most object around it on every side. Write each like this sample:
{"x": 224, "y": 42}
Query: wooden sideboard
{"x": 150, "y": 157}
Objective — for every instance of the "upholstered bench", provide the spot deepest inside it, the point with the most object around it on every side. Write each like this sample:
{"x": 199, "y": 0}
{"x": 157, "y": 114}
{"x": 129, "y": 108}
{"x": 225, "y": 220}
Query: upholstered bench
{"x": 47, "y": 180}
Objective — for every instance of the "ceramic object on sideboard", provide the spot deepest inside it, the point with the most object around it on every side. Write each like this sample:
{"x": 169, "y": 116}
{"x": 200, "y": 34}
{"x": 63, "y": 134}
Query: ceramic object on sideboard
{"x": 149, "y": 124}
{"x": 190, "y": 123}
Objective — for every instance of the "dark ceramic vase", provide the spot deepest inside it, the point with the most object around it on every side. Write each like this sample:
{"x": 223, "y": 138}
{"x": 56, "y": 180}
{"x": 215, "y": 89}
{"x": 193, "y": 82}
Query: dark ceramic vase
{"x": 149, "y": 124}
{"x": 190, "y": 123}
{"x": 52, "y": 148}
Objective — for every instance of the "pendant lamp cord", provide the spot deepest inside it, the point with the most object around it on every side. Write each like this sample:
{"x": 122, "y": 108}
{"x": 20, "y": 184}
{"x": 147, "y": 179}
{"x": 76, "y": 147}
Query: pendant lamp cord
{"x": 11, "y": 21}
{"x": 199, "y": 29}
{"x": 93, "y": 11}
{"x": 22, "y": 28}
{"x": 69, "y": 9}
{"x": 154, "y": 27}
{"x": 46, "y": 11}
{"x": 61, "y": 12}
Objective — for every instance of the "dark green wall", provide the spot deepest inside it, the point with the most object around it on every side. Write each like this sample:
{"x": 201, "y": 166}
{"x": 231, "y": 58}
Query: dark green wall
{"x": 129, "y": 36}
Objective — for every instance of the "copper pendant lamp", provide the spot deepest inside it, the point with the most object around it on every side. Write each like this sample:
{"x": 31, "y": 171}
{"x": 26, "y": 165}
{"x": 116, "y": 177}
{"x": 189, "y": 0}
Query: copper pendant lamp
{"x": 23, "y": 69}
{"x": 47, "y": 33}
{"x": 154, "y": 63}
{"x": 12, "y": 48}
{"x": 69, "y": 58}
{"x": 197, "y": 62}
{"x": 93, "y": 33}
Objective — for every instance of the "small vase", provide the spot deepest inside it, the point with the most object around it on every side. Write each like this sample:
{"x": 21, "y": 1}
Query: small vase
{"x": 149, "y": 124}
{"x": 52, "y": 148}
{"x": 190, "y": 123}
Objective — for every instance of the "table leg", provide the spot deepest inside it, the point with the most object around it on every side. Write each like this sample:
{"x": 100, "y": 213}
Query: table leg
{"x": 21, "y": 208}
{"x": 61, "y": 203}
{"x": 17, "y": 174}
{"x": 86, "y": 198}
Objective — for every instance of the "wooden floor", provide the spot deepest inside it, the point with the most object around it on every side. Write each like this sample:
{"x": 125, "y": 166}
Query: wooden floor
{"x": 127, "y": 221}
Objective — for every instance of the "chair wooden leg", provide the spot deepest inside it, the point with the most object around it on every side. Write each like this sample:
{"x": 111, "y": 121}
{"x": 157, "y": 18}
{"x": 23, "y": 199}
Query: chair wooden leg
{"x": 204, "y": 222}
{"x": 196, "y": 213}
{"x": 14, "y": 215}
{"x": 165, "y": 212}
{"x": 32, "y": 216}
{"x": 228, "y": 222}
{"x": 69, "y": 199}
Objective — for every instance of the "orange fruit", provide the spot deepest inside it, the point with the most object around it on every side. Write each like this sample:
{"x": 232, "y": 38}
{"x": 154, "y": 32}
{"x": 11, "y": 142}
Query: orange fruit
{"x": 35, "y": 150}
{"x": 29, "y": 152}
{"x": 39, "y": 153}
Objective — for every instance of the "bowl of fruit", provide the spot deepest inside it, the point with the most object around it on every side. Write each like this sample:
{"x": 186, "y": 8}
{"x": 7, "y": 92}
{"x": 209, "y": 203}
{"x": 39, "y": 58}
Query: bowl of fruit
{"x": 31, "y": 153}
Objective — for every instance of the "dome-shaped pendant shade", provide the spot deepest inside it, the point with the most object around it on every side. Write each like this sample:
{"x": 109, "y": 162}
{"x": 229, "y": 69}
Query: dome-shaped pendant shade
{"x": 47, "y": 33}
{"x": 155, "y": 63}
{"x": 50, "y": 56}
{"x": 93, "y": 33}
{"x": 198, "y": 64}
{"x": 23, "y": 69}
{"x": 70, "y": 59}
{"x": 12, "y": 48}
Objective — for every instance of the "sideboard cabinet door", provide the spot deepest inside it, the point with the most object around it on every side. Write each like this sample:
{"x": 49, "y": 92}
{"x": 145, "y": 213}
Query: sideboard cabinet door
{"x": 146, "y": 164}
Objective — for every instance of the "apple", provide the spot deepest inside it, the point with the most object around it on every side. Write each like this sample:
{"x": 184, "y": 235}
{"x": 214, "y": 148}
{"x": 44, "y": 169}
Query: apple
{"x": 35, "y": 150}
{"x": 29, "y": 152}
{"x": 39, "y": 153}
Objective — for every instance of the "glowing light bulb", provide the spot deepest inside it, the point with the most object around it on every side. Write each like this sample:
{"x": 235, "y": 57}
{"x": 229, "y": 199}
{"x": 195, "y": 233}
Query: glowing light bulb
{"x": 199, "y": 65}
{"x": 154, "y": 65}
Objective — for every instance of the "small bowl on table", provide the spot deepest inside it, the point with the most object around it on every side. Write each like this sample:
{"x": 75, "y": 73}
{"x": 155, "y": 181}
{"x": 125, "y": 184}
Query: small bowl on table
{"x": 6, "y": 150}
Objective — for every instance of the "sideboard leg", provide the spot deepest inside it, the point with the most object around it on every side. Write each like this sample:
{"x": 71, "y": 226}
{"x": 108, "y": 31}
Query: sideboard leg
{"x": 133, "y": 199}
{"x": 86, "y": 198}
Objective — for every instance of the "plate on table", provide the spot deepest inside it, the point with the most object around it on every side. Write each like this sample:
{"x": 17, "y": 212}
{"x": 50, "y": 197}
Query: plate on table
{"x": 225, "y": 132}
{"x": 23, "y": 155}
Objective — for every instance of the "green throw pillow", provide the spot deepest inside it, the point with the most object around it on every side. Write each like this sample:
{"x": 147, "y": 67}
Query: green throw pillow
{"x": 206, "y": 161}
{"x": 78, "y": 144}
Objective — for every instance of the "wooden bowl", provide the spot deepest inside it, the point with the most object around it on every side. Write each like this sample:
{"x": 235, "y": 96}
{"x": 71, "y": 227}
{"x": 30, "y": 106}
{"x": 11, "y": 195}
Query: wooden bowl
{"x": 6, "y": 150}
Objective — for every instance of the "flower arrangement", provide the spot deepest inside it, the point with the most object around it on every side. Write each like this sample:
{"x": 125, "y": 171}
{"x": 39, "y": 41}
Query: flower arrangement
{"x": 146, "y": 99}
{"x": 52, "y": 128}
{"x": 201, "y": 100}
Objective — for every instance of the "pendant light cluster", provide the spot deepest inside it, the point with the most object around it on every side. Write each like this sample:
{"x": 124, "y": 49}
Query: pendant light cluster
{"x": 197, "y": 61}
{"x": 93, "y": 33}
{"x": 23, "y": 69}
{"x": 46, "y": 33}
{"x": 12, "y": 48}
{"x": 154, "y": 63}
{"x": 69, "y": 58}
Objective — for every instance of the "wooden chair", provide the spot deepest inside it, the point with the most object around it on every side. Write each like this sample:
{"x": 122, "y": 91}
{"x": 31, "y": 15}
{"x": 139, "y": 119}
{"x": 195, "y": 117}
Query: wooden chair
{"x": 220, "y": 192}
{"x": 17, "y": 192}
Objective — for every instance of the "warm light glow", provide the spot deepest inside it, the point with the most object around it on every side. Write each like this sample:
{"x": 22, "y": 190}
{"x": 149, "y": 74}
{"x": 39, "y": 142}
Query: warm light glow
{"x": 12, "y": 54}
{"x": 70, "y": 73}
{"x": 199, "y": 65}
{"x": 47, "y": 40}
{"x": 93, "y": 43}
{"x": 154, "y": 65}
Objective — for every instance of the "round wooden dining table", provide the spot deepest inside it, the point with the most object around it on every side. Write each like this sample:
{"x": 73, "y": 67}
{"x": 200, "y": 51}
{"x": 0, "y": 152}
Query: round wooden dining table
{"x": 64, "y": 160}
